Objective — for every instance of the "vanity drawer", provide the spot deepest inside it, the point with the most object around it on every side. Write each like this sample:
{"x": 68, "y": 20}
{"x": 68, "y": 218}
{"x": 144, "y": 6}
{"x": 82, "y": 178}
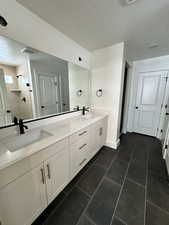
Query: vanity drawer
{"x": 85, "y": 132}
{"x": 81, "y": 144}
{"x": 79, "y": 155}
{"x": 78, "y": 161}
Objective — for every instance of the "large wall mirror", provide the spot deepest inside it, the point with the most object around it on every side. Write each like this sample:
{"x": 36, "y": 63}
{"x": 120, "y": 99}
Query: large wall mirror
{"x": 34, "y": 84}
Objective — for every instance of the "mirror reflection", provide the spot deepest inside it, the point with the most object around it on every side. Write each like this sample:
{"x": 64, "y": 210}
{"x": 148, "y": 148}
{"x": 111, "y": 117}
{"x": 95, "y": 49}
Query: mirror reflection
{"x": 34, "y": 84}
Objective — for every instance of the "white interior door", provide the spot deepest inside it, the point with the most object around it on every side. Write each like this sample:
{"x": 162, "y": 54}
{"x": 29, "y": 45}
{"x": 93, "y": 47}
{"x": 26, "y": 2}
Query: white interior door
{"x": 5, "y": 117}
{"x": 150, "y": 94}
{"x": 48, "y": 94}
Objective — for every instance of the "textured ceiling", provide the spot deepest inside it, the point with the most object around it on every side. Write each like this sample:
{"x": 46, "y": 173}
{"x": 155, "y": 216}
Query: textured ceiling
{"x": 99, "y": 23}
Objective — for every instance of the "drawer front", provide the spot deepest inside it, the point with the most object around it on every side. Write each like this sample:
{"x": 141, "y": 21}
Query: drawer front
{"x": 77, "y": 163}
{"x": 79, "y": 155}
{"x": 83, "y": 133}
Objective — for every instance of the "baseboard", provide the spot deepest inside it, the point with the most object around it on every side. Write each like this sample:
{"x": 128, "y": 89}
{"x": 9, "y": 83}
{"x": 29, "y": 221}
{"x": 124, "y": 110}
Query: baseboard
{"x": 113, "y": 144}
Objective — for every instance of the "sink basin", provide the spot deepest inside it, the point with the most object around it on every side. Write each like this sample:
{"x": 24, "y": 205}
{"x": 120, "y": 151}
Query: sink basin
{"x": 88, "y": 116}
{"x": 15, "y": 143}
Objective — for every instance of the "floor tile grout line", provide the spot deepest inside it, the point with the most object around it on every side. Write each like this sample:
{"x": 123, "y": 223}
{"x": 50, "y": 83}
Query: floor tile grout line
{"x": 112, "y": 181}
{"x": 129, "y": 163}
{"x": 121, "y": 220}
{"x": 93, "y": 223}
{"x": 67, "y": 194}
{"x": 54, "y": 210}
{"x": 89, "y": 166}
{"x": 134, "y": 182}
{"x": 90, "y": 200}
{"x": 97, "y": 188}
{"x": 94, "y": 164}
{"x": 145, "y": 203}
{"x": 84, "y": 192}
{"x": 125, "y": 178}
{"x": 161, "y": 209}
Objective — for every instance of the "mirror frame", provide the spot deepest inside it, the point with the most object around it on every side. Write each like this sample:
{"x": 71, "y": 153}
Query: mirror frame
{"x": 52, "y": 115}
{"x": 40, "y": 118}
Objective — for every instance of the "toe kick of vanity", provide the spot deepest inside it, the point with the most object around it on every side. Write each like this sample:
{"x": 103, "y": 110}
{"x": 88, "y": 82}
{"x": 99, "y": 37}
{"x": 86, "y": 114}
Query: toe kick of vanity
{"x": 35, "y": 181}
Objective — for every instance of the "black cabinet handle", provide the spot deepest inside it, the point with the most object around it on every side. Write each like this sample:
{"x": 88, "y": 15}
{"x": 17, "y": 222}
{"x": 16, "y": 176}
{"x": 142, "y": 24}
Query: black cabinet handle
{"x": 48, "y": 168}
{"x": 84, "y": 132}
{"x": 167, "y": 114}
{"x": 42, "y": 106}
{"x": 82, "y": 146}
{"x": 136, "y": 107}
{"x": 43, "y": 175}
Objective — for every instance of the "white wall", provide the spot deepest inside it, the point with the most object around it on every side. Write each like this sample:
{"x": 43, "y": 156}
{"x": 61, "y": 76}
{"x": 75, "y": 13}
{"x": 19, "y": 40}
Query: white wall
{"x": 78, "y": 80}
{"x": 26, "y": 27}
{"x": 152, "y": 64}
{"x": 108, "y": 74}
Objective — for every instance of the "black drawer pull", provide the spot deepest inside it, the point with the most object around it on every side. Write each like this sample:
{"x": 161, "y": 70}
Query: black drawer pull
{"x": 84, "y": 160}
{"x": 82, "y": 146}
{"x": 84, "y": 132}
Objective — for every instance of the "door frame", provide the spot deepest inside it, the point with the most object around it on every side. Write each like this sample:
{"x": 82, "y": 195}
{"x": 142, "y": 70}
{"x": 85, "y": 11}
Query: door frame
{"x": 136, "y": 70}
{"x": 163, "y": 75}
{"x": 163, "y": 109}
{"x": 123, "y": 118}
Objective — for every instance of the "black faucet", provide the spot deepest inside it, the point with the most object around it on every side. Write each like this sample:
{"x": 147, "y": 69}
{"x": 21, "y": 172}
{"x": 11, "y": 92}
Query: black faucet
{"x": 84, "y": 109}
{"x": 15, "y": 120}
{"x": 22, "y": 126}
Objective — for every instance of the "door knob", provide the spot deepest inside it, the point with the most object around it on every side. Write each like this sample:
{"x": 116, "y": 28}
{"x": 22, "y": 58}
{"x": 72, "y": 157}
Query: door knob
{"x": 42, "y": 107}
{"x": 136, "y": 107}
{"x": 167, "y": 114}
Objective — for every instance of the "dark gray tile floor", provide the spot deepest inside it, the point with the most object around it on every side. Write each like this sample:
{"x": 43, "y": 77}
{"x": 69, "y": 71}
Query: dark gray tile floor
{"x": 129, "y": 186}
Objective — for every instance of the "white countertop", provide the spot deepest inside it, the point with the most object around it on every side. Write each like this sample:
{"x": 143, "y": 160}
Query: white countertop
{"x": 58, "y": 130}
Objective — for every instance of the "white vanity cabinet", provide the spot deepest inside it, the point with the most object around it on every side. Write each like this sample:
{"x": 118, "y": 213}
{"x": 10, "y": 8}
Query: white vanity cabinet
{"x": 24, "y": 197}
{"x": 28, "y": 186}
{"x": 22, "y": 200}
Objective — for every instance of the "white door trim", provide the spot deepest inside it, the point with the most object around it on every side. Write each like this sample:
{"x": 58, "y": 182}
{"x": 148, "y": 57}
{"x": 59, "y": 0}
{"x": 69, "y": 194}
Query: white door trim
{"x": 144, "y": 109}
{"x": 133, "y": 92}
{"x": 163, "y": 110}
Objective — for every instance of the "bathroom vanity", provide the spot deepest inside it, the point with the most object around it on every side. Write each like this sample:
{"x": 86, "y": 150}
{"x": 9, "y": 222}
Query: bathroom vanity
{"x": 36, "y": 166}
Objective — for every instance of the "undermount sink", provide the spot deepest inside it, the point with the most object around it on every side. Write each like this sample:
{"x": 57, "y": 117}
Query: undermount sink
{"x": 17, "y": 142}
{"x": 88, "y": 116}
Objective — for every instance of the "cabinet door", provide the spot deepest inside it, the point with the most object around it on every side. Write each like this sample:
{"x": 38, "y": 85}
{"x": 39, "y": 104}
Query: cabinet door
{"x": 98, "y": 135}
{"x": 24, "y": 199}
{"x": 57, "y": 173}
